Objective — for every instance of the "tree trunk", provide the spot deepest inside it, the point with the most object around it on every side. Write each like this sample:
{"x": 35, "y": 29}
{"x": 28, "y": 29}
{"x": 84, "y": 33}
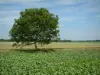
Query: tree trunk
{"x": 35, "y": 46}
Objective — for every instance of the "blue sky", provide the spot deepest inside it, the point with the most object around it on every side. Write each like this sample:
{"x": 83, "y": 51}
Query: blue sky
{"x": 78, "y": 19}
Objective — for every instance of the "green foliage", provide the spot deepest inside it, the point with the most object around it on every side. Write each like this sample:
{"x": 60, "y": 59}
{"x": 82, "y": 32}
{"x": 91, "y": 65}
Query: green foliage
{"x": 5, "y": 40}
{"x": 36, "y": 25}
{"x": 60, "y": 62}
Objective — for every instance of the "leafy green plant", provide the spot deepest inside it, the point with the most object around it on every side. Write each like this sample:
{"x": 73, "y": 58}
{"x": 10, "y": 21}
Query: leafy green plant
{"x": 59, "y": 62}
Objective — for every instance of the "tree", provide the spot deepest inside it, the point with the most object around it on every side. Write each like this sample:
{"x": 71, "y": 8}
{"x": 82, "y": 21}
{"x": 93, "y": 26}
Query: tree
{"x": 35, "y": 25}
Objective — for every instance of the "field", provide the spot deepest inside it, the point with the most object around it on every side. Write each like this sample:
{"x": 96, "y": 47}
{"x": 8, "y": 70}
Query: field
{"x": 8, "y": 45}
{"x": 72, "y": 59}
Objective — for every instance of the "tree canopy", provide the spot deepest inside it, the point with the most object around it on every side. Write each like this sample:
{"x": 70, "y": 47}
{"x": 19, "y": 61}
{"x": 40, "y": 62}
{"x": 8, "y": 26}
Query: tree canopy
{"x": 35, "y": 25}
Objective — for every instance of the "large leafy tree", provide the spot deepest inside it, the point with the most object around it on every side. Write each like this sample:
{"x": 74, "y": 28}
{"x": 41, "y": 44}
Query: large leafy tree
{"x": 35, "y": 25}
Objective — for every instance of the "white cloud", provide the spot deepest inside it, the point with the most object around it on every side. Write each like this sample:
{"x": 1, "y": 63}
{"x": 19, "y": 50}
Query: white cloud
{"x": 98, "y": 16}
{"x": 9, "y": 20}
{"x": 37, "y": 5}
{"x": 3, "y": 12}
{"x": 86, "y": 8}
{"x": 69, "y": 2}
{"x": 6, "y": 24}
{"x": 71, "y": 10}
{"x": 67, "y": 19}
{"x": 91, "y": 6}
{"x": 28, "y": 3}
{"x": 90, "y": 9}
{"x": 20, "y": 1}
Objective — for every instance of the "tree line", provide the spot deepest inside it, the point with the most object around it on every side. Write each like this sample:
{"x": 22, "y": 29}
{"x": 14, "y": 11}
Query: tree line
{"x": 10, "y": 40}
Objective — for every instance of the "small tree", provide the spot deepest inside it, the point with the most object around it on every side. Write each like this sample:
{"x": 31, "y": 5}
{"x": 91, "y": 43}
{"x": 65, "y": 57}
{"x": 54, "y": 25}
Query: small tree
{"x": 35, "y": 25}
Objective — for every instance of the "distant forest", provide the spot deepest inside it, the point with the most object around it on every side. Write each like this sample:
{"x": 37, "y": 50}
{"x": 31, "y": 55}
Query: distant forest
{"x": 9, "y": 40}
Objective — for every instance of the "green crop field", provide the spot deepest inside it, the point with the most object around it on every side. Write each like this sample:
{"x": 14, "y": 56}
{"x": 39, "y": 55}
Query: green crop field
{"x": 50, "y": 62}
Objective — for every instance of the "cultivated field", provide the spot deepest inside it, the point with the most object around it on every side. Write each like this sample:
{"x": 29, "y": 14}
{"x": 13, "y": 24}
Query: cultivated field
{"x": 8, "y": 45}
{"x": 72, "y": 58}
{"x": 52, "y": 62}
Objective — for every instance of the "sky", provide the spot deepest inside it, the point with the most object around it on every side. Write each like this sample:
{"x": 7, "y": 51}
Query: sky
{"x": 78, "y": 19}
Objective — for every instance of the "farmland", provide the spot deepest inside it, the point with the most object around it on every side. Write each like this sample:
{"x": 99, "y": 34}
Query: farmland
{"x": 73, "y": 58}
{"x": 8, "y": 45}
